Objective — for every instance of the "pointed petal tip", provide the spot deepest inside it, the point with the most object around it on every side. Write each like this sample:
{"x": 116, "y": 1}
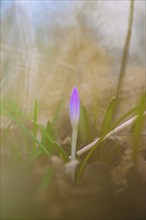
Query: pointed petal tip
{"x": 75, "y": 89}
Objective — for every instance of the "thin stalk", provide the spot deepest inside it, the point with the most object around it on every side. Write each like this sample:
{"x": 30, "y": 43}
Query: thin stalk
{"x": 125, "y": 53}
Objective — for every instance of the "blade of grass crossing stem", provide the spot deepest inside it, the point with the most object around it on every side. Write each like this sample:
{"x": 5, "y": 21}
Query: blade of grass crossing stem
{"x": 35, "y": 125}
{"x": 58, "y": 148}
{"x": 138, "y": 127}
{"x": 107, "y": 121}
{"x": 19, "y": 123}
{"x": 84, "y": 163}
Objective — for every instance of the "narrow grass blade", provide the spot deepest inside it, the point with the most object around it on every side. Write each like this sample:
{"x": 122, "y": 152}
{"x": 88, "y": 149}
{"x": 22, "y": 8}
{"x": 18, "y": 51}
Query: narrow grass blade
{"x": 84, "y": 126}
{"x": 107, "y": 121}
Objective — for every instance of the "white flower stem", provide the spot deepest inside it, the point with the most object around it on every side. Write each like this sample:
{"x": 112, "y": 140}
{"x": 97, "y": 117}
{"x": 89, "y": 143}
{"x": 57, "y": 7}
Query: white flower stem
{"x": 73, "y": 144}
{"x": 73, "y": 150}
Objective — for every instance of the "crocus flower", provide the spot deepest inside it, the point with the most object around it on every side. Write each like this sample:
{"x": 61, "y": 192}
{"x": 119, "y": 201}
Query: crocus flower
{"x": 74, "y": 107}
{"x": 74, "y": 118}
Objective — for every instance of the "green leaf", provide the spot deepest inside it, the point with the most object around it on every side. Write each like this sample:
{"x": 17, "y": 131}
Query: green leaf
{"x": 107, "y": 121}
{"x": 84, "y": 126}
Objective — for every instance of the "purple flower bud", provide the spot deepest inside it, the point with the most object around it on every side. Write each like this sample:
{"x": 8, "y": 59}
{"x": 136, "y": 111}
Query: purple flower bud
{"x": 74, "y": 107}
